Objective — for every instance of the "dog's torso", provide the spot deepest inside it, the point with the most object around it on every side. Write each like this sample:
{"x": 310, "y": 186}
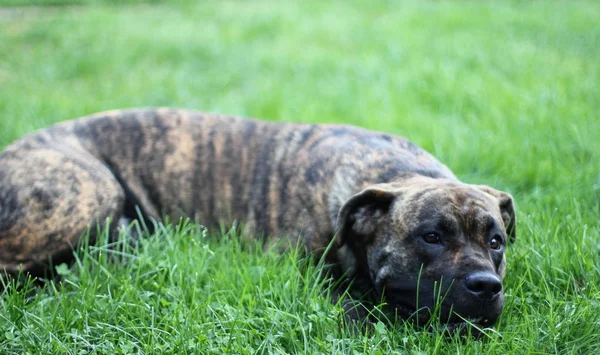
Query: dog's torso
{"x": 276, "y": 178}
{"x": 400, "y": 218}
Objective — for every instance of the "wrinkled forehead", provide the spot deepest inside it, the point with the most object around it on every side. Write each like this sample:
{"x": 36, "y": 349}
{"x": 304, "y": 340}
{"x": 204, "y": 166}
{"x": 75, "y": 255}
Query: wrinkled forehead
{"x": 451, "y": 205}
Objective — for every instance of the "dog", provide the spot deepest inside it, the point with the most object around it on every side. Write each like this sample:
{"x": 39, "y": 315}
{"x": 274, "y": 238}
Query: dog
{"x": 398, "y": 223}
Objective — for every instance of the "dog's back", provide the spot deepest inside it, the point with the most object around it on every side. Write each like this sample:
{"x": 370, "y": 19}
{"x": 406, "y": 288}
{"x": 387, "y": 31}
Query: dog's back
{"x": 275, "y": 177}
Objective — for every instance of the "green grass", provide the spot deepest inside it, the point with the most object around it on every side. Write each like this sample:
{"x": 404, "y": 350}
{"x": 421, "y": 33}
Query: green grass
{"x": 505, "y": 93}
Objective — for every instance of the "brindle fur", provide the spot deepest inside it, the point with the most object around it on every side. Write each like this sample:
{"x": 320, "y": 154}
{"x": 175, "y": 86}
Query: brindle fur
{"x": 281, "y": 179}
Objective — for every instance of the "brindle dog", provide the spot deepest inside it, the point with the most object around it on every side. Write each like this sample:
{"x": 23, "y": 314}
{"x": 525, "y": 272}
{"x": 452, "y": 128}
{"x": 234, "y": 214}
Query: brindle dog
{"x": 404, "y": 226}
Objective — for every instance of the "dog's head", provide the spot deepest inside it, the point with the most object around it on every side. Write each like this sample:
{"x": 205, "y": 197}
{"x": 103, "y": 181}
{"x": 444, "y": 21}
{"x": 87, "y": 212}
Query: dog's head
{"x": 431, "y": 245}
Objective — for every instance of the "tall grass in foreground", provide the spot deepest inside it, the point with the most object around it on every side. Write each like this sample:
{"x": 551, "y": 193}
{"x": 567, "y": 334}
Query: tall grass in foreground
{"x": 176, "y": 291}
{"x": 185, "y": 292}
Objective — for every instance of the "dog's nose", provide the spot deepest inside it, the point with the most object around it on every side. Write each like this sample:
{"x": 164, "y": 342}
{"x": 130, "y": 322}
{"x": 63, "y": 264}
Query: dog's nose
{"x": 484, "y": 284}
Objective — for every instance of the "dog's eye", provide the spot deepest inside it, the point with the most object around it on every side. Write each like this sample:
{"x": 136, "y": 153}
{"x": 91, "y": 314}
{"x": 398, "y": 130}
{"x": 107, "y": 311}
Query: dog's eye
{"x": 496, "y": 242}
{"x": 432, "y": 238}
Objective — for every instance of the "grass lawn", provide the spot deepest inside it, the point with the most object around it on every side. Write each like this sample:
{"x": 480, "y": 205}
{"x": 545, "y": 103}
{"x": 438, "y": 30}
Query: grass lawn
{"x": 505, "y": 93}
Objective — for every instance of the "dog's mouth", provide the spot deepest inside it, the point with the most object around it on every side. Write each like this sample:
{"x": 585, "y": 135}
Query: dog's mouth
{"x": 433, "y": 306}
{"x": 453, "y": 324}
{"x": 444, "y": 312}
{"x": 452, "y": 313}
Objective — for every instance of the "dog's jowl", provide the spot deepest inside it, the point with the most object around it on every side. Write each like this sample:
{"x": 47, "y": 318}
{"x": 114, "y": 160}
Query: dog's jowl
{"x": 405, "y": 228}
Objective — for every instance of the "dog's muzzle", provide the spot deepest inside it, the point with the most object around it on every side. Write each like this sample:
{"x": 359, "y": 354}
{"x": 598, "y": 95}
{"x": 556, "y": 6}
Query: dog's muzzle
{"x": 477, "y": 297}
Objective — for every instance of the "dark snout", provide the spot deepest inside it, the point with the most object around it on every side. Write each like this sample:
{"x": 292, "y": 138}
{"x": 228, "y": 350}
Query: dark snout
{"x": 477, "y": 297}
{"x": 484, "y": 285}
{"x": 480, "y": 297}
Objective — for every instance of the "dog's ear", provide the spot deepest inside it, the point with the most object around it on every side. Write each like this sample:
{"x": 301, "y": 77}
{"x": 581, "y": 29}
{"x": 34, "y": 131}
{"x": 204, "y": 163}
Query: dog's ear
{"x": 507, "y": 209}
{"x": 360, "y": 215}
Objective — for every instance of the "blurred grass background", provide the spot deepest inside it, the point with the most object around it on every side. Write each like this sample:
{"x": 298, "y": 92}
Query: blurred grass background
{"x": 505, "y": 93}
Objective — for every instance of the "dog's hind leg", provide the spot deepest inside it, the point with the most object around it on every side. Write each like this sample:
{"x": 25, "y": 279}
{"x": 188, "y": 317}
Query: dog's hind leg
{"x": 49, "y": 197}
